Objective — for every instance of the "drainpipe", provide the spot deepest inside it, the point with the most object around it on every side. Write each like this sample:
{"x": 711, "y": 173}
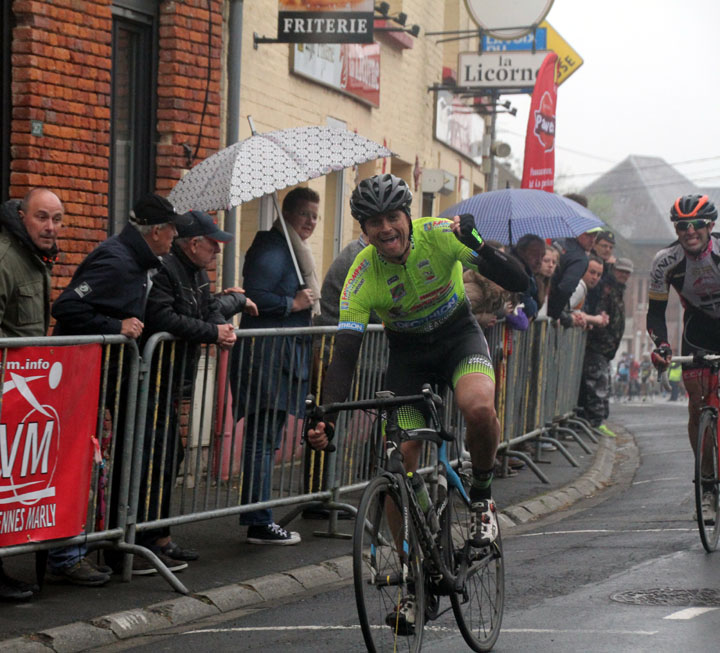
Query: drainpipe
{"x": 232, "y": 129}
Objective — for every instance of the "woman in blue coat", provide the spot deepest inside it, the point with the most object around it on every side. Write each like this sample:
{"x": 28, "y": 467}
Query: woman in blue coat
{"x": 274, "y": 370}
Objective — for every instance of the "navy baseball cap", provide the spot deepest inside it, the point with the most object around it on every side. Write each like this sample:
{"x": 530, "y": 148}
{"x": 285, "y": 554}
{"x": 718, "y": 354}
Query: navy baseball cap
{"x": 199, "y": 223}
{"x": 153, "y": 209}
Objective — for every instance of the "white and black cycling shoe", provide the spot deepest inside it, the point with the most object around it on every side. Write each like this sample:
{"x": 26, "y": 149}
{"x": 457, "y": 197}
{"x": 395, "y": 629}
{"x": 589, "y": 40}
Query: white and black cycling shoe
{"x": 402, "y": 618}
{"x": 483, "y": 523}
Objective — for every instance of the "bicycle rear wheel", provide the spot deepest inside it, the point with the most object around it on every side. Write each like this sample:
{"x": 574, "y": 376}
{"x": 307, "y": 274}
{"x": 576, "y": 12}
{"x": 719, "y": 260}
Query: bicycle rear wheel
{"x": 479, "y": 606}
{"x": 706, "y": 480}
{"x": 386, "y": 571}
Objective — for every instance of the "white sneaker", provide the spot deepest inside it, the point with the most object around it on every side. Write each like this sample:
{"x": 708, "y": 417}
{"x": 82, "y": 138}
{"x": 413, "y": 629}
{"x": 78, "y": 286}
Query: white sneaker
{"x": 271, "y": 534}
{"x": 483, "y": 523}
{"x": 402, "y": 618}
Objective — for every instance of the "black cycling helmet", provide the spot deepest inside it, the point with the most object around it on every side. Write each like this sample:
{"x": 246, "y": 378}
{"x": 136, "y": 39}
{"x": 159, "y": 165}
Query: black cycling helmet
{"x": 693, "y": 207}
{"x": 379, "y": 194}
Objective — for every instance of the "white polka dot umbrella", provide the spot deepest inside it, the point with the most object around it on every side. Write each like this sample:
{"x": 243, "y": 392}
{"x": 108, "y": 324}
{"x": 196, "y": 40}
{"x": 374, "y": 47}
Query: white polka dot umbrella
{"x": 265, "y": 163}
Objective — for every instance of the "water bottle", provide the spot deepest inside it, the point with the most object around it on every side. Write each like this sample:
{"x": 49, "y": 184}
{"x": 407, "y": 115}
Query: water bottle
{"x": 421, "y": 492}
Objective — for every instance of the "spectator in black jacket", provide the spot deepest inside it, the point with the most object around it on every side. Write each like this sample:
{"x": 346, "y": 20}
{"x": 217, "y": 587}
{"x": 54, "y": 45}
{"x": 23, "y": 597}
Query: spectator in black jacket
{"x": 180, "y": 303}
{"x": 107, "y": 295}
{"x": 570, "y": 269}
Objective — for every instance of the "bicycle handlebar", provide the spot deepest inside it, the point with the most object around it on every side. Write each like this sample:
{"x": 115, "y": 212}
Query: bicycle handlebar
{"x": 697, "y": 358}
{"x": 315, "y": 413}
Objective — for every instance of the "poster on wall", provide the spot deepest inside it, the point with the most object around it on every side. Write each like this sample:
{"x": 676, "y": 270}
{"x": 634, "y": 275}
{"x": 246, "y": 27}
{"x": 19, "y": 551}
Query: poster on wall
{"x": 325, "y": 21}
{"x": 458, "y": 126}
{"x": 48, "y": 417}
{"x": 351, "y": 68}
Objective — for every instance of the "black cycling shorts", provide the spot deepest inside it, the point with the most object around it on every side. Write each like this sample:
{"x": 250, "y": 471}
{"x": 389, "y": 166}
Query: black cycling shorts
{"x": 440, "y": 357}
{"x": 701, "y": 333}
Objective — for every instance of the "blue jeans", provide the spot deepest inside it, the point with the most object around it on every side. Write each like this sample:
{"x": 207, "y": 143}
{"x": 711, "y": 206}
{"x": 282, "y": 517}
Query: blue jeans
{"x": 263, "y": 435}
{"x": 62, "y": 557}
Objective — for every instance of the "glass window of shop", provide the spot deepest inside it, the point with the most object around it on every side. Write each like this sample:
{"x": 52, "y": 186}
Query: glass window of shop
{"x": 133, "y": 104}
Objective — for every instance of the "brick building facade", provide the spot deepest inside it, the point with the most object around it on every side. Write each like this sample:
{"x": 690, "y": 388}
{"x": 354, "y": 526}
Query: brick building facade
{"x": 105, "y": 100}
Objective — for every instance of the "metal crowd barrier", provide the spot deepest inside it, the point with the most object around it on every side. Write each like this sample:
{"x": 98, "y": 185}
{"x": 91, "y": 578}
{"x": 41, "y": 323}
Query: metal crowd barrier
{"x": 205, "y": 433}
{"x": 107, "y": 508}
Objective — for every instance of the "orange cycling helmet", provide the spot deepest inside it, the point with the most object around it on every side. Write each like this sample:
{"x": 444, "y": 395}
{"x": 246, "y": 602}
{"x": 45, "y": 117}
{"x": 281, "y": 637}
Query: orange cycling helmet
{"x": 693, "y": 207}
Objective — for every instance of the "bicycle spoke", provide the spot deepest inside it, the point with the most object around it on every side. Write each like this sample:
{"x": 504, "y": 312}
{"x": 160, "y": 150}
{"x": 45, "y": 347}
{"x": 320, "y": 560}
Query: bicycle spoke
{"x": 384, "y": 575}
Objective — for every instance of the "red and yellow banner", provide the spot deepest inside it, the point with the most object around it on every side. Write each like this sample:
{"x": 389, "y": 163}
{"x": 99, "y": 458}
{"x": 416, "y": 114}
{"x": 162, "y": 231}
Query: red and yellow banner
{"x": 48, "y": 417}
{"x": 539, "y": 165}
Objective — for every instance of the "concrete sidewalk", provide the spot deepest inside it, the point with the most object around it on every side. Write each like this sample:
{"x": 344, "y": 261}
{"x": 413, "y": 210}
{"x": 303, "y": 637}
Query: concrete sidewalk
{"x": 232, "y": 574}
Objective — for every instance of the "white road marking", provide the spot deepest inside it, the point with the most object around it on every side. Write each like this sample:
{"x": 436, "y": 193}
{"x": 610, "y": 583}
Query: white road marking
{"x": 247, "y": 629}
{"x": 660, "y": 480}
{"x": 431, "y": 628}
{"x": 610, "y": 530}
{"x": 689, "y": 613}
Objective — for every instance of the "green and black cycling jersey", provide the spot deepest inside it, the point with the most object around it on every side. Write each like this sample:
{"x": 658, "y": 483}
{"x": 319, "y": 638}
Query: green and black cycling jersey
{"x": 421, "y": 301}
{"x": 426, "y": 291}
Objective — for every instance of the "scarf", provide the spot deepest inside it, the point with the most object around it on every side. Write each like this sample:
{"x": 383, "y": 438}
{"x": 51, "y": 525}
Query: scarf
{"x": 306, "y": 263}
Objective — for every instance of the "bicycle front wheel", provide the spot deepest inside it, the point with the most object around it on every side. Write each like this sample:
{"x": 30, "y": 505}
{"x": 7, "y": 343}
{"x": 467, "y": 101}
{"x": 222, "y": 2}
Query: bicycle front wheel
{"x": 706, "y": 480}
{"x": 479, "y": 604}
{"x": 387, "y": 572}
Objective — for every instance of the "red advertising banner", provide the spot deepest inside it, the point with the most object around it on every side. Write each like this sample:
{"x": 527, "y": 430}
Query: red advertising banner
{"x": 539, "y": 165}
{"x": 48, "y": 417}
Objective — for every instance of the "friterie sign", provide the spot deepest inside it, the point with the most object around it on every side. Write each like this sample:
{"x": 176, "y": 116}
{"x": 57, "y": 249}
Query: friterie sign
{"x": 325, "y": 21}
{"x": 47, "y": 421}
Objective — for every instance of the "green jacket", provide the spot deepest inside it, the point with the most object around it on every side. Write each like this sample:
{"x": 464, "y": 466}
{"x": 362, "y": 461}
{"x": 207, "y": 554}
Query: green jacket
{"x": 24, "y": 280}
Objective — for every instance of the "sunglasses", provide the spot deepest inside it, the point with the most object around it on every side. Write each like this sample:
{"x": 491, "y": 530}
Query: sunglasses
{"x": 684, "y": 225}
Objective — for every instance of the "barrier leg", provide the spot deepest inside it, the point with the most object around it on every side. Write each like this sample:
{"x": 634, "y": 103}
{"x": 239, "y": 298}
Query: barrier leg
{"x": 586, "y": 428}
{"x": 575, "y": 437}
{"x": 527, "y": 460}
{"x": 561, "y": 448}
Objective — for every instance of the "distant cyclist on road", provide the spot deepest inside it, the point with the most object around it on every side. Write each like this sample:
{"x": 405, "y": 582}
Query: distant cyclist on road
{"x": 411, "y": 275}
{"x": 691, "y": 265}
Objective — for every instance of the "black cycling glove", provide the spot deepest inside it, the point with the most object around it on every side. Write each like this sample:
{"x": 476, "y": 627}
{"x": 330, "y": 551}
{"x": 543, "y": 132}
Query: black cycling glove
{"x": 660, "y": 355}
{"x": 469, "y": 235}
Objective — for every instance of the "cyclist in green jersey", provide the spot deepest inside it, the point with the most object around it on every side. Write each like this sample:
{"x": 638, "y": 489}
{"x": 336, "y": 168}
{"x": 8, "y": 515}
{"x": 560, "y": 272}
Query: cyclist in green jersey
{"x": 411, "y": 275}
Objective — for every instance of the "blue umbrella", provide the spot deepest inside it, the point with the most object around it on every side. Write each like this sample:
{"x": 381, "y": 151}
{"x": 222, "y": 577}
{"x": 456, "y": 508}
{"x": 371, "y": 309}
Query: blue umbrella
{"x": 507, "y": 214}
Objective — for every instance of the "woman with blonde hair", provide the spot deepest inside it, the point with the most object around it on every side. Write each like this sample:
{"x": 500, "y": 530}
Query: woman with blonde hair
{"x": 542, "y": 278}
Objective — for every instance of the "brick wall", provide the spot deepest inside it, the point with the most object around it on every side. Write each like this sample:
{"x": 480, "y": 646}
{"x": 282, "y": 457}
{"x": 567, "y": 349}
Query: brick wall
{"x": 61, "y": 78}
{"x": 183, "y": 80}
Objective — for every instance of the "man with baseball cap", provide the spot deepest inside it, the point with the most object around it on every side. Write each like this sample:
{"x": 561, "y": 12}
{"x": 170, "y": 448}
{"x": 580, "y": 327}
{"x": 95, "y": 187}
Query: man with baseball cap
{"x": 180, "y": 303}
{"x": 107, "y": 295}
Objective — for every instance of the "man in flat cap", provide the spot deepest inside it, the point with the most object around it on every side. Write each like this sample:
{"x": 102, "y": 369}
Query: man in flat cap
{"x": 107, "y": 295}
{"x": 180, "y": 302}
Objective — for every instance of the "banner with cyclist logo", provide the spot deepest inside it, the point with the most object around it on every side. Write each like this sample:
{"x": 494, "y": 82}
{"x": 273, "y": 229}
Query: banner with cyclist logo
{"x": 48, "y": 417}
{"x": 539, "y": 165}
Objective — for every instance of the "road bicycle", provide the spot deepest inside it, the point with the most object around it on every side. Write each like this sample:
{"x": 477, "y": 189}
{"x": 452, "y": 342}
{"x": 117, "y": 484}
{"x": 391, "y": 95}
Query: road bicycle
{"x": 707, "y": 451}
{"x": 403, "y": 555}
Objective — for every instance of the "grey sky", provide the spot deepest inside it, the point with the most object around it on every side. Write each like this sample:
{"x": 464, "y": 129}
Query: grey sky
{"x": 649, "y": 85}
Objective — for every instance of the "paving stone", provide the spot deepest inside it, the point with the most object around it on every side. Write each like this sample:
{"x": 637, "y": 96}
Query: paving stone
{"x": 77, "y": 636}
{"x": 130, "y": 623}
{"x": 342, "y": 566}
{"x": 274, "y": 586}
{"x": 183, "y": 609}
{"x": 231, "y": 597}
{"x": 313, "y": 576}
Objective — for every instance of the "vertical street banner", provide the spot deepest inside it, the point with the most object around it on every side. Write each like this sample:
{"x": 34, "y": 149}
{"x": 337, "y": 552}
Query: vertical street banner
{"x": 539, "y": 164}
{"x": 48, "y": 417}
{"x": 325, "y": 21}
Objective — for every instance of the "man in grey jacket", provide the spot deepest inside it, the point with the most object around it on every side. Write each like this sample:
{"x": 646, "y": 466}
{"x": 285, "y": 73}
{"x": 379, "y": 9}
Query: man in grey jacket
{"x": 28, "y": 235}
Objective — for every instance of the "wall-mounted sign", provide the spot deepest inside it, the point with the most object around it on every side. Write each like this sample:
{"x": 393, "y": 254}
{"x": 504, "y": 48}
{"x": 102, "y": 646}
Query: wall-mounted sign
{"x": 545, "y": 38}
{"x": 458, "y": 126}
{"x": 508, "y": 20}
{"x": 499, "y": 69}
{"x": 325, "y": 21}
{"x": 350, "y": 68}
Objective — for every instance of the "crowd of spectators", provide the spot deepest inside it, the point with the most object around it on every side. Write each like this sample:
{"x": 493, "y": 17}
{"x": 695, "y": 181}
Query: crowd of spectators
{"x": 153, "y": 277}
